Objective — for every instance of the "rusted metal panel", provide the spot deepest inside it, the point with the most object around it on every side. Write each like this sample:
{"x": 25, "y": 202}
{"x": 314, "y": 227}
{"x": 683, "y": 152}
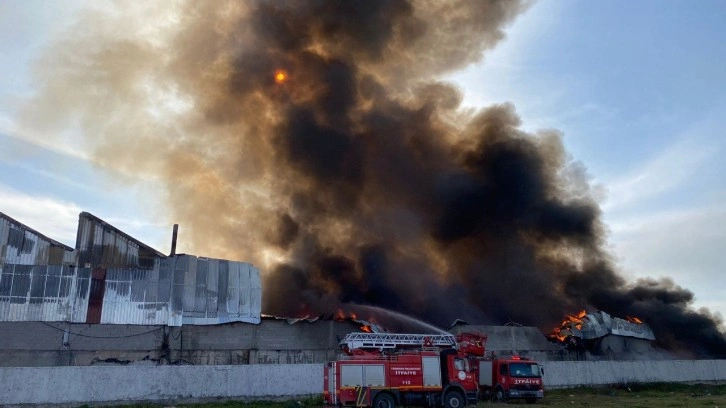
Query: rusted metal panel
{"x": 95, "y": 300}
{"x": 101, "y": 244}
{"x": 22, "y": 245}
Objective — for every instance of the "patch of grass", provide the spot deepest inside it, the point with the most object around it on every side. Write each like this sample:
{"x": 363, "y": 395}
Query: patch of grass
{"x": 638, "y": 395}
{"x": 616, "y": 396}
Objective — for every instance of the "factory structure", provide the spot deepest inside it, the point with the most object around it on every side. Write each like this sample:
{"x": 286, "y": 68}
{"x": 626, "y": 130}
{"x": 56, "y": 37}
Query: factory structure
{"x": 114, "y": 300}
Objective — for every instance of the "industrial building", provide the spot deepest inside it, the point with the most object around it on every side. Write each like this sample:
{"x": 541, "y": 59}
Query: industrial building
{"x": 112, "y": 299}
{"x": 115, "y": 300}
{"x": 112, "y": 278}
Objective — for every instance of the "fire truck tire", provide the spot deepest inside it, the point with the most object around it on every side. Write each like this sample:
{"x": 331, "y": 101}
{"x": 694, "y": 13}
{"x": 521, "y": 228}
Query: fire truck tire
{"x": 454, "y": 399}
{"x": 499, "y": 395}
{"x": 383, "y": 400}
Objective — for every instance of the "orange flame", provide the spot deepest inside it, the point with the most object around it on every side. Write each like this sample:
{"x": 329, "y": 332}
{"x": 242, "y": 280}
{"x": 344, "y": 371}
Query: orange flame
{"x": 280, "y": 76}
{"x": 632, "y": 319}
{"x": 570, "y": 322}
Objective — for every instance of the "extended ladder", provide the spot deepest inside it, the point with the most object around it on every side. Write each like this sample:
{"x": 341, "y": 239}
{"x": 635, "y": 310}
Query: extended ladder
{"x": 392, "y": 340}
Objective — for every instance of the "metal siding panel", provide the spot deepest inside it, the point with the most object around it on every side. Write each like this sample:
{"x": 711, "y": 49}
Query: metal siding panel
{"x": 4, "y": 229}
{"x": 212, "y": 286}
{"x": 42, "y": 252}
{"x": 244, "y": 290}
{"x": 233, "y": 289}
{"x": 190, "y": 282}
{"x": 177, "y": 291}
{"x": 79, "y": 294}
{"x": 165, "y": 279}
{"x": 222, "y": 290}
{"x": 200, "y": 292}
{"x": 85, "y": 231}
{"x": 255, "y": 308}
{"x": 6, "y": 280}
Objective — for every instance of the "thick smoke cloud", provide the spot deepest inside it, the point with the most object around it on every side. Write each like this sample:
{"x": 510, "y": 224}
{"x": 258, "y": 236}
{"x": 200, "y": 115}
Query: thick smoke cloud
{"x": 358, "y": 179}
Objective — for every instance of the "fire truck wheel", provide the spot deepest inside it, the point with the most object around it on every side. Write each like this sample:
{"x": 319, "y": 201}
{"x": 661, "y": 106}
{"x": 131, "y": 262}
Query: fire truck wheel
{"x": 499, "y": 394}
{"x": 383, "y": 400}
{"x": 454, "y": 399}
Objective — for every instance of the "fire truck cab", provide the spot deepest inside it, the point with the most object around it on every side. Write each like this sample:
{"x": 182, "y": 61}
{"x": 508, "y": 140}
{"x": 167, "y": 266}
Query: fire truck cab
{"x": 510, "y": 378}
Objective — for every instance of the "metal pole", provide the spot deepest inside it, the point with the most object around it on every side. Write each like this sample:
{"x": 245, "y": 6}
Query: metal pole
{"x": 173, "y": 240}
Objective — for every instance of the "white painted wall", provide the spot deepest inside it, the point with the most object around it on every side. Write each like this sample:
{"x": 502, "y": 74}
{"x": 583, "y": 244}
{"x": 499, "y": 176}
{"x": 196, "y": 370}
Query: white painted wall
{"x": 60, "y": 385}
{"x": 563, "y": 374}
{"x": 57, "y": 385}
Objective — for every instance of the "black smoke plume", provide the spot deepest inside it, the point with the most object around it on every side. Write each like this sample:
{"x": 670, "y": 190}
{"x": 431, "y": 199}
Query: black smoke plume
{"x": 356, "y": 178}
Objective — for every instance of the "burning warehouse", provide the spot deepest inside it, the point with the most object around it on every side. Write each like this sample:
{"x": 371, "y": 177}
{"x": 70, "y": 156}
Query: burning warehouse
{"x": 114, "y": 300}
{"x": 598, "y": 335}
{"x": 318, "y": 138}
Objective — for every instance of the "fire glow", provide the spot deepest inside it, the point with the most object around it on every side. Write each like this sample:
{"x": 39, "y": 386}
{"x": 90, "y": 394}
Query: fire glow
{"x": 569, "y": 322}
{"x": 575, "y": 323}
{"x": 341, "y": 315}
{"x": 280, "y": 76}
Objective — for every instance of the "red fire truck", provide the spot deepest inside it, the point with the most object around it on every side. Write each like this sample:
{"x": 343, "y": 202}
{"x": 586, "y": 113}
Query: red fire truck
{"x": 382, "y": 370}
{"x": 510, "y": 378}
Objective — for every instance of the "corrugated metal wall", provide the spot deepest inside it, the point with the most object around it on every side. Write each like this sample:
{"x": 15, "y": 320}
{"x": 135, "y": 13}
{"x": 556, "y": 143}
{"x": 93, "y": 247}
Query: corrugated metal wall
{"x": 21, "y": 245}
{"x": 113, "y": 278}
{"x": 100, "y": 244}
{"x": 211, "y": 291}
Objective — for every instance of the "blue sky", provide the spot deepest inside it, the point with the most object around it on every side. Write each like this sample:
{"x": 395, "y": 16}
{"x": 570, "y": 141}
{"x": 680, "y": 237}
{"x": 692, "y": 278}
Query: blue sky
{"x": 636, "y": 89}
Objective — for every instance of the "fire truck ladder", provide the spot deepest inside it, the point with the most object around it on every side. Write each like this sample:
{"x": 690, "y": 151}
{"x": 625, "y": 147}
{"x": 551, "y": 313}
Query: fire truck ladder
{"x": 391, "y": 340}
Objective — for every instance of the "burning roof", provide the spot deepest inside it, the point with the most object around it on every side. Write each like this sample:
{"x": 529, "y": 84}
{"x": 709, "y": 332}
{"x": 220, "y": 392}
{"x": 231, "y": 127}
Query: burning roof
{"x": 599, "y": 324}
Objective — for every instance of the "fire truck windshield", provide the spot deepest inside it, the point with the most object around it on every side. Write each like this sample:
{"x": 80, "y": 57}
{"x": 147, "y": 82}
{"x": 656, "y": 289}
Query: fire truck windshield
{"x": 461, "y": 364}
{"x": 524, "y": 370}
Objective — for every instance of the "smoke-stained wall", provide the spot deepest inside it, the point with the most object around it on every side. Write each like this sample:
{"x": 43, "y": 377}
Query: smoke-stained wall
{"x": 273, "y": 341}
{"x": 22, "y": 245}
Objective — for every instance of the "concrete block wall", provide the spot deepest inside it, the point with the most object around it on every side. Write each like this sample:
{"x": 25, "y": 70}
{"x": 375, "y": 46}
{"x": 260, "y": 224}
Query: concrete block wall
{"x": 565, "y": 374}
{"x": 42, "y": 344}
{"x": 64, "y": 385}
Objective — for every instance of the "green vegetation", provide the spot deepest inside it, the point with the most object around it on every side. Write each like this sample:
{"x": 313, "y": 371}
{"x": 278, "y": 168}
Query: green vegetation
{"x": 636, "y": 395}
{"x": 622, "y": 396}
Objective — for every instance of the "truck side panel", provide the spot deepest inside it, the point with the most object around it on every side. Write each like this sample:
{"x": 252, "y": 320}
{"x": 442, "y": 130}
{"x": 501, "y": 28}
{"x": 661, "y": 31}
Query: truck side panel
{"x": 374, "y": 375}
{"x": 431, "y": 371}
{"x": 485, "y": 373}
{"x": 351, "y": 375}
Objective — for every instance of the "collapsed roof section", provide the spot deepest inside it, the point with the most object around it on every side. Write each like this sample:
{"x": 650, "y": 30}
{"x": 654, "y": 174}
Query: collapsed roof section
{"x": 110, "y": 277}
{"x": 600, "y": 324}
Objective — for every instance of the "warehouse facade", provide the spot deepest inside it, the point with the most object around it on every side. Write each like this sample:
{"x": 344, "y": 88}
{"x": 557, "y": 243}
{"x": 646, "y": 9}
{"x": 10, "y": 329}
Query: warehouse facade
{"x": 112, "y": 278}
